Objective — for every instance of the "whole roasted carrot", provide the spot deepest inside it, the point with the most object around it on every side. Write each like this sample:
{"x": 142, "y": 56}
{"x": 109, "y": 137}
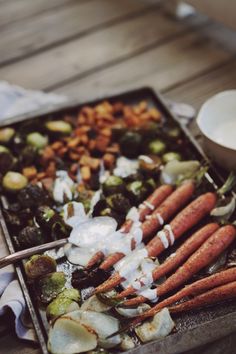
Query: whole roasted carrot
{"x": 209, "y": 251}
{"x": 198, "y": 287}
{"x": 182, "y": 253}
{"x": 211, "y": 297}
{"x": 161, "y": 214}
{"x": 186, "y": 219}
{"x": 144, "y": 209}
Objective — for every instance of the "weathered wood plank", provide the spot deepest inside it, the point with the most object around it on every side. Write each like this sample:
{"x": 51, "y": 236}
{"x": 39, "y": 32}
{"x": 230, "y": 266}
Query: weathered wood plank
{"x": 53, "y": 27}
{"x": 161, "y": 67}
{"x": 203, "y": 87}
{"x": 12, "y": 11}
{"x": 93, "y": 52}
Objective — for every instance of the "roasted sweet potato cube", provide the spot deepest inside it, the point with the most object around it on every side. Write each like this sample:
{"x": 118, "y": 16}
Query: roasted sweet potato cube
{"x": 30, "y": 172}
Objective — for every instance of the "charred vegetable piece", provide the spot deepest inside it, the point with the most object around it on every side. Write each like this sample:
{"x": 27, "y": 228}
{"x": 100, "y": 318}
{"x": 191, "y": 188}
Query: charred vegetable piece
{"x": 49, "y": 286}
{"x": 113, "y": 184}
{"x": 149, "y": 163}
{"x": 59, "y": 126}
{"x": 118, "y": 203}
{"x": 130, "y": 144}
{"x": 32, "y": 196}
{"x": 14, "y": 181}
{"x": 28, "y": 155}
{"x": 37, "y": 140}
{"x": 83, "y": 278}
{"x": 60, "y": 230}
{"x": 72, "y": 294}
{"x": 137, "y": 191}
{"x": 39, "y": 265}
{"x": 156, "y": 147}
{"x": 60, "y": 306}
{"x": 6, "y": 134}
{"x": 45, "y": 216}
{"x": 6, "y": 159}
{"x": 30, "y": 236}
{"x": 170, "y": 156}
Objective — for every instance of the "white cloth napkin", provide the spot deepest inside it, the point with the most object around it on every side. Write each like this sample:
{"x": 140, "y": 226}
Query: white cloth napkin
{"x": 15, "y": 100}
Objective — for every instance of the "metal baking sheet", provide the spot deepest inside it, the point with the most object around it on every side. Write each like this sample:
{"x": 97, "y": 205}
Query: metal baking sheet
{"x": 192, "y": 329}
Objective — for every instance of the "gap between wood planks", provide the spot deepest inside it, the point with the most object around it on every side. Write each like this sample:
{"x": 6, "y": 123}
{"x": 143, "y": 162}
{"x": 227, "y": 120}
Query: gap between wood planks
{"x": 35, "y": 35}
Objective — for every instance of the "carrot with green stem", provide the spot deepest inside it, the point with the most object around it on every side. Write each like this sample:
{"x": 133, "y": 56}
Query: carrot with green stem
{"x": 144, "y": 209}
{"x": 182, "y": 253}
{"x": 172, "y": 204}
{"x": 184, "y": 221}
{"x": 209, "y": 251}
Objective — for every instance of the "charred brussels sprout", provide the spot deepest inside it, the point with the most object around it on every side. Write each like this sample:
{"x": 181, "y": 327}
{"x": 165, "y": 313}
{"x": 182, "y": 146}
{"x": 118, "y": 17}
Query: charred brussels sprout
{"x": 6, "y": 159}
{"x": 28, "y": 156}
{"x": 59, "y": 127}
{"x": 118, "y": 203}
{"x": 130, "y": 144}
{"x": 66, "y": 301}
{"x": 6, "y": 134}
{"x": 45, "y": 216}
{"x": 39, "y": 265}
{"x": 83, "y": 278}
{"x": 156, "y": 147}
{"x": 49, "y": 286}
{"x": 170, "y": 156}
{"x": 14, "y": 181}
{"x": 30, "y": 236}
{"x": 149, "y": 163}
{"x": 137, "y": 191}
{"x": 37, "y": 140}
{"x": 32, "y": 196}
{"x": 113, "y": 184}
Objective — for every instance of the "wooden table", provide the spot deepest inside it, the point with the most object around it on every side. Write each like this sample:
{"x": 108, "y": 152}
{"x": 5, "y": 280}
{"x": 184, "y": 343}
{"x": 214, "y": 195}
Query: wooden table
{"x": 91, "y": 48}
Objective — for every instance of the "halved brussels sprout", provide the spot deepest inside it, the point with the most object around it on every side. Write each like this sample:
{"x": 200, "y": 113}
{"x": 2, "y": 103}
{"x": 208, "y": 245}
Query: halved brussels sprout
{"x": 69, "y": 336}
{"x": 32, "y": 196}
{"x": 160, "y": 326}
{"x": 6, "y": 134}
{"x": 60, "y": 307}
{"x": 39, "y": 265}
{"x": 156, "y": 147}
{"x": 59, "y": 126}
{"x": 113, "y": 184}
{"x": 37, "y": 140}
{"x": 14, "y": 181}
{"x": 118, "y": 203}
{"x": 71, "y": 293}
{"x": 49, "y": 286}
{"x": 6, "y": 159}
{"x": 30, "y": 236}
{"x": 130, "y": 144}
{"x": 137, "y": 191}
{"x": 170, "y": 156}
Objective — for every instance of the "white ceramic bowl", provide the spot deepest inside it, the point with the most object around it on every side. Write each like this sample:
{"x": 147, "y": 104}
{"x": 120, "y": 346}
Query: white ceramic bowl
{"x": 217, "y": 122}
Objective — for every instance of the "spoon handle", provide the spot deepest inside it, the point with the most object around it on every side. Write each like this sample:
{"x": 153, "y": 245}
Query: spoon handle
{"x": 17, "y": 256}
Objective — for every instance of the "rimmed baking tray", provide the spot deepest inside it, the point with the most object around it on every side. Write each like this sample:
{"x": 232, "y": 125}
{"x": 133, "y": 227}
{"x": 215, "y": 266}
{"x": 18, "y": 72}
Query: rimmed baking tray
{"x": 193, "y": 329}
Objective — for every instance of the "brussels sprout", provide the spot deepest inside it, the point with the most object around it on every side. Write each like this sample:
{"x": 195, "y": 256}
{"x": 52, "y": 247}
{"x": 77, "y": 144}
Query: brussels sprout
{"x": 14, "y": 181}
{"x": 49, "y": 286}
{"x": 72, "y": 294}
{"x": 173, "y": 132}
{"x": 28, "y": 155}
{"x": 170, "y": 156}
{"x": 37, "y": 140}
{"x": 59, "y": 126}
{"x": 6, "y": 134}
{"x": 45, "y": 216}
{"x": 6, "y": 159}
{"x": 156, "y": 147}
{"x": 83, "y": 278}
{"x": 30, "y": 236}
{"x": 137, "y": 191}
{"x": 118, "y": 203}
{"x": 32, "y": 196}
{"x": 149, "y": 163}
{"x": 39, "y": 265}
{"x": 113, "y": 184}
{"x": 130, "y": 144}
{"x": 60, "y": 306}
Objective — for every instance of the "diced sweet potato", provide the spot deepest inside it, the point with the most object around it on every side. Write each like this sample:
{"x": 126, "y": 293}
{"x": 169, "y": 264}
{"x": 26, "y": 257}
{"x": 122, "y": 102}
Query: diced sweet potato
{"x": 30, "y": 172}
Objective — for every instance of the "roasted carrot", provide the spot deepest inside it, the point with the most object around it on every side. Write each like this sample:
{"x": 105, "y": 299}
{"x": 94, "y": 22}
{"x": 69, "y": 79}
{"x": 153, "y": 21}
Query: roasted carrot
{"x": 182, "y": 253}
{"x": 198, "y": 287}
{"x": 186, "y": 219}
{"x": 211, "y": 297}
{"x": 168, "y": 208}
{"x": 209, "y": 251}
{"x": 145, "y": 208}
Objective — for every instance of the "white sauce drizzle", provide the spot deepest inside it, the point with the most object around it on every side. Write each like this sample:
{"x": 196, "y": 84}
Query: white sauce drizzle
{"x": 133, "y": 214}
{"x": 160, "y": 218}
{"x": 150, "y": 294}
{"x": 172, "y": 255}
{"x": 162, "y": 236}
{"x": 142, "y": 206}
{"x": 171, "y": 234}
{"x": 125, "y": 167}
{"x": 62, "y": 187}
{"x": 146, "y": 158}
{"x": 149, "y": 205}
